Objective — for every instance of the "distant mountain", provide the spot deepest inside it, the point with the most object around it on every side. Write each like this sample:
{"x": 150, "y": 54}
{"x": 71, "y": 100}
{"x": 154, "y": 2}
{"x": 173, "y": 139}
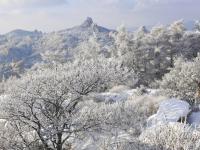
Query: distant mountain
{"x": 22, "y": 33}
{"x": 20, "y": 49}
{"x": 72, "y": 37}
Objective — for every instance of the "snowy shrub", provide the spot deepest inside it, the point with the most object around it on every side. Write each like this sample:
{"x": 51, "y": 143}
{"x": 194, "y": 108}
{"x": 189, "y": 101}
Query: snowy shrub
{"x": 183, "y": 80}
{"x": 147, "y": 103}
{"x": 109, "y": 97}
{"x": 119, "y": 89}
{"x": 141, "y": 91}
{"x": 134, "y": 144}
{"x": 121, "y": 124}
{"x": 130, "y": 115}
{"x": 172, "y": 136}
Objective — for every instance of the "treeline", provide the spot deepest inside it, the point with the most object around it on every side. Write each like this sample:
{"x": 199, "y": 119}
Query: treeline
{"x": 151, "y": 53}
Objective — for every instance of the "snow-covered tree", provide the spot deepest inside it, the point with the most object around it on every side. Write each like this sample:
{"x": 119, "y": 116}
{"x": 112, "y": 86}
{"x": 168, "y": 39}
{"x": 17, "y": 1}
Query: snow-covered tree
{"x": 89, "y": 49}
{"x": 176, "y": 32}
{"x": 197, "y": 26}
{"x": 158, "y": 45}
{"x": 56, "y": 56}
{"x": 190, "y": 47}
{"x": 122, "y": 42}
{"x": 48, "y": 101}
{"x": 128, "y": 50}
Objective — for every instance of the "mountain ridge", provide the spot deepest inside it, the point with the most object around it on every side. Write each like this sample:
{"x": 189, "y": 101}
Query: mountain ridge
{"x": 25, "y": 48}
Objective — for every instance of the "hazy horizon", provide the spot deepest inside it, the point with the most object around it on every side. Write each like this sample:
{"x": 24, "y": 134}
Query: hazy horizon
{"x": 53, "y": 15}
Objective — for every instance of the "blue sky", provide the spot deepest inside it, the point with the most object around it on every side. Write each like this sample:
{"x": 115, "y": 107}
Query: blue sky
{"x": 51, "y": 15}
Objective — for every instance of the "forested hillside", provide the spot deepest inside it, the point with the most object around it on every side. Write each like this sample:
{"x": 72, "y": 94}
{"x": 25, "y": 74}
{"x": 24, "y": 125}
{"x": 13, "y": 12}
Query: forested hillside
{"x": 20, "y": 50}
{"x": 92, "y": 88}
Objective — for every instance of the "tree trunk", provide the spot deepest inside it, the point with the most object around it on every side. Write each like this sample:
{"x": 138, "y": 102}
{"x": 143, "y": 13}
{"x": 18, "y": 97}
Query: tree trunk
{"x": 197, "y": 96}
{"x": 59, "y": 143}
{"x": 46, "y": 147}
{"x": 171, "y": 60}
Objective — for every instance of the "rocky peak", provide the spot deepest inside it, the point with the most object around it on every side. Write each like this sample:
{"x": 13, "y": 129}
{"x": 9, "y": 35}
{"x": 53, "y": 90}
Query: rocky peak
{"x": 88, "y": 22}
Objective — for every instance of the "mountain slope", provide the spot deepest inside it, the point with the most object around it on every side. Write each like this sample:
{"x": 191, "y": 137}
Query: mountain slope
{"x": 20, "y": 49}
{"x": 72, "y": 37}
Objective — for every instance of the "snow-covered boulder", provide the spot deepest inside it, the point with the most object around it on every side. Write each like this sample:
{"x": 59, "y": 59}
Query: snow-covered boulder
{"x": 194, "y": 118}
{"x": 173, "y": 109}
{"x": 169, "y": 111}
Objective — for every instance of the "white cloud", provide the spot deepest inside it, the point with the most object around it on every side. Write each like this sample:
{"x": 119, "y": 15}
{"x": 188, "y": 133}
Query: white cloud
{"x": 143, "y": 4}
{"x": 5, "y": 4}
